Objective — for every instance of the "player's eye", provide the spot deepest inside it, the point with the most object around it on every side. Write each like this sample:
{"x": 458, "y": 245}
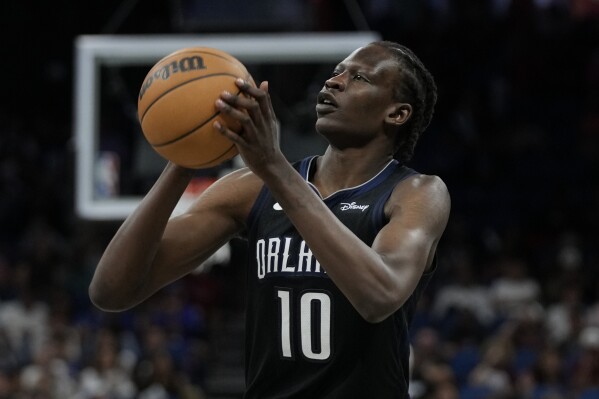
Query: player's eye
{"x": 360, "y": 77}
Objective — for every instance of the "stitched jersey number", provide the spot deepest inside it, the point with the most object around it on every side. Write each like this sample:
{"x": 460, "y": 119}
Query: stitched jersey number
{"x": 315, "y": 332}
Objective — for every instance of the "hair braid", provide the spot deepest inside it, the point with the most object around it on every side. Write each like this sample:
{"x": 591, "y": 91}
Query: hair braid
{"x": 416, "y": 86}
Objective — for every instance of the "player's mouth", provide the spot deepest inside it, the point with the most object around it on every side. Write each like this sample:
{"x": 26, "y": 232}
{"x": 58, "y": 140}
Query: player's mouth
{"x": 325, "y": 103}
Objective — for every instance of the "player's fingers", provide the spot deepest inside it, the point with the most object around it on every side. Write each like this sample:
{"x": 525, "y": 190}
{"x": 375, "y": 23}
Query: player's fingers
{"x": 246, "y": 121}
{"x": 236, "y": 100}
{"x": 228, "y": 109}
{"x": 236, "y": 138}
{"x": 243, "y": 102}
{"x": 260, "y": 94}
{"x": 265, "y": 87}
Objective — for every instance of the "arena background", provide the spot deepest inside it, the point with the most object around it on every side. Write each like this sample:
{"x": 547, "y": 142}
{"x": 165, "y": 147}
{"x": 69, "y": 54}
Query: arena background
{"x": 513, "y": 311}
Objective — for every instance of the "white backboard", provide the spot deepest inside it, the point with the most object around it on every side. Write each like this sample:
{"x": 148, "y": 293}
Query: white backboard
{"x": 94, "y": 51}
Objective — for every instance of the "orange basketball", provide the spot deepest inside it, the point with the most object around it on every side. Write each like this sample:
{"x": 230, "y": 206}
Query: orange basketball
{"x": 176, "y": 106}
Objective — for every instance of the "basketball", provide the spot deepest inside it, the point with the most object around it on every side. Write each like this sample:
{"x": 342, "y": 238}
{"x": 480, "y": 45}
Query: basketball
{"x": 176, "y": 106}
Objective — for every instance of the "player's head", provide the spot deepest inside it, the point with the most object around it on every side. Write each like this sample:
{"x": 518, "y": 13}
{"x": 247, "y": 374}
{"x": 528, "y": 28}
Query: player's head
{"x": 416, "y": 86}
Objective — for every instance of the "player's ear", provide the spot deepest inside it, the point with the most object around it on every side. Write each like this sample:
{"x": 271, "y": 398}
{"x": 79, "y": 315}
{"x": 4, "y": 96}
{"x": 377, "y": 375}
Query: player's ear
{"x": 398, "y": 114}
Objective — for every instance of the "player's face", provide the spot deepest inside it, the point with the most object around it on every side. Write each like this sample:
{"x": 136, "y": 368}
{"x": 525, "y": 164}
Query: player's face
{"x": 358, "y": 97}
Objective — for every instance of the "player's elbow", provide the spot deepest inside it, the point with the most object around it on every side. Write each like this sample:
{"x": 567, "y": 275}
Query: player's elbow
{"x": 379, "y": 308}
{"x": 106, "y": 300}
{"x": 373, "y": 317}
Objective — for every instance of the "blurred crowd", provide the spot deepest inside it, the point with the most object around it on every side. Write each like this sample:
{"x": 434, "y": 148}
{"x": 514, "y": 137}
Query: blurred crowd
{"x": 513, "y": 311}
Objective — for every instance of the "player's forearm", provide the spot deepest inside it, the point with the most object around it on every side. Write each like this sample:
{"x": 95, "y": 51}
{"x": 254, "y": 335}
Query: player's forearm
{"x": 358, "y": 270}
{"x": 121, "y": 274}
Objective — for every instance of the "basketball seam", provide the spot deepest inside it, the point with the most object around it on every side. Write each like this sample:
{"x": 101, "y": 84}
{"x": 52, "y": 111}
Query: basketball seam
{"x": 190, "y": 132}
{"x": 214, "y": 159}
{"x": 141, "y": 120}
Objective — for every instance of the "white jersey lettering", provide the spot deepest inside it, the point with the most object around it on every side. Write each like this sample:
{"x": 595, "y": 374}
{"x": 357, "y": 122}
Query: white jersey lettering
{"x": 273, "y": 255}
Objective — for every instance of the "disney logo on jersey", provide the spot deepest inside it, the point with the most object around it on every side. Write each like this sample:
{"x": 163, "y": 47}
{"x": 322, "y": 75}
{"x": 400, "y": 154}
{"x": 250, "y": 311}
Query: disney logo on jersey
{"x": 347, "y": 206}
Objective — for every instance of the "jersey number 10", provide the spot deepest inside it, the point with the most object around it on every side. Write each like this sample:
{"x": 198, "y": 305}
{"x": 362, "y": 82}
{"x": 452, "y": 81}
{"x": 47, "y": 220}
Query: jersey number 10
{"x": 314, "y": 331}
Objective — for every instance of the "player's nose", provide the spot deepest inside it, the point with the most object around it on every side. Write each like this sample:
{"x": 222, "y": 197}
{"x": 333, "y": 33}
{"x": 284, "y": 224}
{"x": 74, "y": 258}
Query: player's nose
{"x": 336, "y": 82}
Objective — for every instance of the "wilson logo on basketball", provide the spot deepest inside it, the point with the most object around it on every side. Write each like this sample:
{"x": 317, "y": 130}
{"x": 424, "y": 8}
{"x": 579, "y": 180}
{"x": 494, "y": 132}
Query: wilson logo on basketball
{"x": 185, "y": 64}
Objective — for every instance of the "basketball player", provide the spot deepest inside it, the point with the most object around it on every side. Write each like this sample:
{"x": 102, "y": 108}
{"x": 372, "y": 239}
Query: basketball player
{"x": 341, "y": 245}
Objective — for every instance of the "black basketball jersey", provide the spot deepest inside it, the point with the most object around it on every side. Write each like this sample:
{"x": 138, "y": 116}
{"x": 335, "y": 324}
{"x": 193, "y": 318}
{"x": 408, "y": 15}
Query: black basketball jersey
{"x": 303, "y": 337}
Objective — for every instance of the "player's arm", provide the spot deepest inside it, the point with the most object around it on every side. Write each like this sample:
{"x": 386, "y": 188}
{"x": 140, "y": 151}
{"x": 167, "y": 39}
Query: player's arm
{"x": 377, "y": 280}
{"x": 418, "y": 213}
{"x": 150, "y": 250}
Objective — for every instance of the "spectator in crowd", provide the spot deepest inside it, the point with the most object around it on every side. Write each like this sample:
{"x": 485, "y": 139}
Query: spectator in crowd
{"x": 514, "y": 290}
{"x": 585, "y": 371}
{"x": 48, "y": 375}
{"x": 430, "y": 367}
{"x": 463, "y": 298}
{"x": 24, "y": 319}
{"x": 160, "y": 379}
{"x": 563, "y": 318}
{"x": 493, "y": 373}
{"x": 105, "y": 376}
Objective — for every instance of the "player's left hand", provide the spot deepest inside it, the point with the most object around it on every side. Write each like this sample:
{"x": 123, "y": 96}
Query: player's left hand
{"x": 258, "y": 141}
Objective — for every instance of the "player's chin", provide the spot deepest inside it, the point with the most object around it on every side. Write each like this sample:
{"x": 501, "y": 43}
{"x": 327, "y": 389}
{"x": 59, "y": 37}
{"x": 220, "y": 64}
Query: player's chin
{"x": 332, "y": 130}
{"x": 324, "y": 124}
{"x": 328, "y": 119}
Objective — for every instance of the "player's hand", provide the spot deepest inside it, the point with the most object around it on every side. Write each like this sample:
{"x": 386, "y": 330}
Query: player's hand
{"x": 258, "y": 140}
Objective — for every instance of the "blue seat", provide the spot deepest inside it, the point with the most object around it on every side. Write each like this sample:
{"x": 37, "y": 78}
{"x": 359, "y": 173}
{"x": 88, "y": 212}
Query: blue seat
{"x": 589, "y": 393}
{"x": 475, "y": 392}
{"x": 463, "y": 362}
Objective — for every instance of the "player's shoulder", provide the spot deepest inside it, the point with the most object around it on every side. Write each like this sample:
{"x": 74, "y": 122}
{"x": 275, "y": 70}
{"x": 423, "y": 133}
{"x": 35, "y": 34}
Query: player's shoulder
{"x": 239, "y": 185}
{"x": 423, "y": 182}
{"x": 242, "y": 176}
{"x": 423, "y": 189}
{"x": 233, "y": 193}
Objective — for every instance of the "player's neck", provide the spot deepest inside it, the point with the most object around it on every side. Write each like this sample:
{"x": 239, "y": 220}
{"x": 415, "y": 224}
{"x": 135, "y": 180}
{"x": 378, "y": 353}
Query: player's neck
{"x": 337, "y": 170}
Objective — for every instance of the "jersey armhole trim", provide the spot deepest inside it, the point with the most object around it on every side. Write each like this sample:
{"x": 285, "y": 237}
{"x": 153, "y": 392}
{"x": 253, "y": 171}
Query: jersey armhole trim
{"x": 257, "y": 207}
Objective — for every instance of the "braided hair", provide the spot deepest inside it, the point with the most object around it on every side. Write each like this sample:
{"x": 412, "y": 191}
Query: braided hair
{"x": 416, "y": 86}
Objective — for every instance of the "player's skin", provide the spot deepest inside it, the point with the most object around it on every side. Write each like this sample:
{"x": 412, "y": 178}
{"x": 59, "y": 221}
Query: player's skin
{"x": 360, "y": 120}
